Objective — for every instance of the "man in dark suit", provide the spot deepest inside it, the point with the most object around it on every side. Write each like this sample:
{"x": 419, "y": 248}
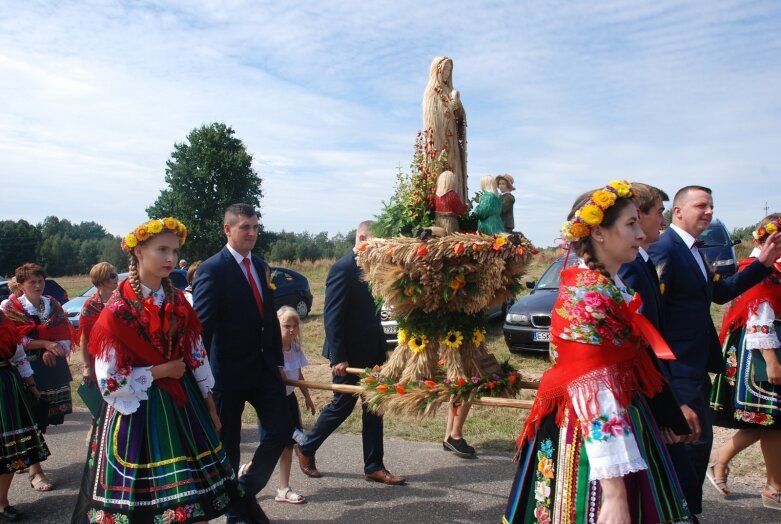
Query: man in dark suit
{"x": 640, "y": 276}
{"x": 241, "y": 333}
{"x": 687, "y": 290}
{"x": 353, "y": 337}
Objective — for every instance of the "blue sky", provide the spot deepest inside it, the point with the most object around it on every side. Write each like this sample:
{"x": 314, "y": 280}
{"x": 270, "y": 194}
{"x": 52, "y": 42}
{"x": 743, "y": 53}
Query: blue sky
{"x": 326, "y": 96}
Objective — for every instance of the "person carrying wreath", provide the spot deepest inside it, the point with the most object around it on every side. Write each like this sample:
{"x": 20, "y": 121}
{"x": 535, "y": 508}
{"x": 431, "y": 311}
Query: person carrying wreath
{"x": 590, "y": 450}
{"x": 154, "y": 455}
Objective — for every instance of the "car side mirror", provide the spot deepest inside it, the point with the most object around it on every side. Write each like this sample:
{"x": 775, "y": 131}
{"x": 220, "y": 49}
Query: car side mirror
{"x": 530, "y": 284}
{"x": 736, "y": 241}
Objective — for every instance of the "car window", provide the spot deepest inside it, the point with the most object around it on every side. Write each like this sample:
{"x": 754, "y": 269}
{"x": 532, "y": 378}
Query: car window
{"x": 715, "y": 235}
{"x": 550, "y": 279}
{"x": 280, "y": 278}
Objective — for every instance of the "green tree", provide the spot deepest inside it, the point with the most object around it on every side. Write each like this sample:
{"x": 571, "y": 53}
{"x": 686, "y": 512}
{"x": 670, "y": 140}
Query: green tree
{"x": 18, "y": 244}
{"x": 209, "y": 171}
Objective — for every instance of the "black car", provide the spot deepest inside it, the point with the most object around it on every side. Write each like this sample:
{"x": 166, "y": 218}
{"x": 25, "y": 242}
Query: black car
{"x": 292, "y": 289}
{"x": 73, "y": 307}
{"x": 50, "y": 288}
{"x": 718, "y": 249}
{"x": 527, "y": 324}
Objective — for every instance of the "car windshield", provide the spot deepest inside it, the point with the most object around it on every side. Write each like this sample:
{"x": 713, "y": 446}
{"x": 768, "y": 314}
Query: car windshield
{"x": 715, "y": 235}
{"x": 550, "y": 279}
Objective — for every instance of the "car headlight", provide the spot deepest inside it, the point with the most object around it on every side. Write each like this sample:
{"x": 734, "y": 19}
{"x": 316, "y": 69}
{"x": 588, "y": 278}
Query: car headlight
{"x": 727, "y": 262}
{"x": 517, "y": 318}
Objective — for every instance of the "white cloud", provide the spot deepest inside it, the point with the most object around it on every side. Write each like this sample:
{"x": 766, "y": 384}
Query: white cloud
{"x": 326, "y": 96}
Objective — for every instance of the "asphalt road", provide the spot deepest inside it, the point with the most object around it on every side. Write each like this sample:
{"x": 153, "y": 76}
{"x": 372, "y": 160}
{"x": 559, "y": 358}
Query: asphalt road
{"x": 441, "y": 488}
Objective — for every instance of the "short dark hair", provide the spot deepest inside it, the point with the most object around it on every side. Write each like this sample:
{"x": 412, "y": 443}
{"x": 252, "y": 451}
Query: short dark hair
{"x": 647, "y": 195}
{"x": 233, "y": 211}
{"x": 681, "y": 194}
{"x": 27, "y": 271}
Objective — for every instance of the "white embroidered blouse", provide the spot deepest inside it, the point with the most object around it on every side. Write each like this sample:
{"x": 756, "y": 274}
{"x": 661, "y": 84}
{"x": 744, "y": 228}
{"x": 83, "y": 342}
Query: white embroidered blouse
{"x": 124, "y": 389}
{"x": 32, "y": 310}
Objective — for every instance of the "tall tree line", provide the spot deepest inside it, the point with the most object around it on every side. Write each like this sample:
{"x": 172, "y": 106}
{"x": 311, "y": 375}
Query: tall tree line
{"x": 61, "y": 247}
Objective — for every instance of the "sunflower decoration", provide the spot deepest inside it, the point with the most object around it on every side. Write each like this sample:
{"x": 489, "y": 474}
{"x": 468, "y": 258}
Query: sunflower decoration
{"x": 417, "y": 343}
{"x": 478, "y": 337}
{"x": 438, "y": 289}
{"x": 453, "y": 339}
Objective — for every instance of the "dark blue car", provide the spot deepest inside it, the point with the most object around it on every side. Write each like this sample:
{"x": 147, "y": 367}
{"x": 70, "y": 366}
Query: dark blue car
{"x": 718, "y": 249}
{"x": 527, "y": 324}
{"x": 292, "y": 289}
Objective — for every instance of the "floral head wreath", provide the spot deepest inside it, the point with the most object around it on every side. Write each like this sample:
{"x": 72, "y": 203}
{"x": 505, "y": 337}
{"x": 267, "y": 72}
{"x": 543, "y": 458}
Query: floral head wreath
{"x": 592, "y": 212}
{"x": 767, "y": 229}
{"x": 154, "y": 227}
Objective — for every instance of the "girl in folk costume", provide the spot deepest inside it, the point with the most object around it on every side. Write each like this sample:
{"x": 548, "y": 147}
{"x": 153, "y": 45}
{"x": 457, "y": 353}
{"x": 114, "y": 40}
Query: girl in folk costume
{"x": 590, "y": 450}
{"x": 154, "y": 455}
{"x": 448, "y": 206}
{"x": 748, "y": 394}
{"x": 21, "y": 442}
{"x": 489, "y": 209}
{"x": 46, "y": 337}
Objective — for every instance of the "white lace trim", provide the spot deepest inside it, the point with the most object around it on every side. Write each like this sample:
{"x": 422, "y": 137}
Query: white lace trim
{"x": 762, "y": 341}
{"x": 609, "y": 471}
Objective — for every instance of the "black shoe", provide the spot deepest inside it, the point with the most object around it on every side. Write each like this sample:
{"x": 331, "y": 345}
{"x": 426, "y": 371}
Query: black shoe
{"x": 459, "y": 447}
{"x": 9, "y": 513}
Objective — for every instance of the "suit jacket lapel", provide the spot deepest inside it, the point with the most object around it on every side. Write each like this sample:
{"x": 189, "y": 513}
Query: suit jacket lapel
{"x": 688, "y": 258}
{"x": 239, "y": 279}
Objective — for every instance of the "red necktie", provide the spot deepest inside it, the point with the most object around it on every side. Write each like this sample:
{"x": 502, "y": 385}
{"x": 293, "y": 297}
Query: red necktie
{"x": 254, "y": 287}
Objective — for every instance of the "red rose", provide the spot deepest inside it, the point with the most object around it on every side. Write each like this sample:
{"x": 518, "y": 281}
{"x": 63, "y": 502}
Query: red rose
{"x": 108, "y": 519}
{"x": 111, "y": 384}
{"x": 181, "y": 514}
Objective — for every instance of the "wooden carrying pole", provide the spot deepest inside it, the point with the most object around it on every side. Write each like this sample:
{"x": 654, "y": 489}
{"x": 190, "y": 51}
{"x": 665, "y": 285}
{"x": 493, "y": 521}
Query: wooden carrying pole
{"x": 357, "y": 390}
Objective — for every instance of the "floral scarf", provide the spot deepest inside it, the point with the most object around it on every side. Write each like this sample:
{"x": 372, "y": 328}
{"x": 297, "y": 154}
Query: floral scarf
{"x": 56, "y": 327}
{"x": 597, "y": 340}
{"x": 89, "y": 315}
{"x": 9, "y": 338}
{"x": 769, "y": 290}
{"x": 143, "y": 334}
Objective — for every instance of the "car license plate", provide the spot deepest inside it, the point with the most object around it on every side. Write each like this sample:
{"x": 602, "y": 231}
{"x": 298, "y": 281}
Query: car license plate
{"x": 390, "y": 330}
{"x": 541, "y": 336}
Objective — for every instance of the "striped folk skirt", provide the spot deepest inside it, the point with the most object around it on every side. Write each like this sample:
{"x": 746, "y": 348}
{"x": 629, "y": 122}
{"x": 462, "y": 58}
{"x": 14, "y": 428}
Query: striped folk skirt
{"x": 21, "y": 442}
{"x": 552, "y": 482}
{"x": 737, "y": 399}
{"x": 163, "y": 463}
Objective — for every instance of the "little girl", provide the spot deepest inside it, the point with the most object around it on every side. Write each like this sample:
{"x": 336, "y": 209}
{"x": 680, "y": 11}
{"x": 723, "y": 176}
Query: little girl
{"x": 290, "y": 324}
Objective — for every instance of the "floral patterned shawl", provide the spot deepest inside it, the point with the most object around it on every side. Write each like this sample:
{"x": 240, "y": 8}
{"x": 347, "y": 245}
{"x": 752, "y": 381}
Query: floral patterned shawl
{"x": 143, "y": 334}
{"x": 597, "y": 341}
{"x": 56, "y": 327}
{"x": 90, "y": 312}
{"x": 769, "y": 290}
{"x": 9, "y": 337}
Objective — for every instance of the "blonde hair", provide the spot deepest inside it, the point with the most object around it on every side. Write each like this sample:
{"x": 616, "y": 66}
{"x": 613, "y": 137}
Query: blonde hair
{"x": 488, "y": 183}
{"x": 100, "y": 272}
{"x": 286, "y": 313}
{"x": 446, "y": 181}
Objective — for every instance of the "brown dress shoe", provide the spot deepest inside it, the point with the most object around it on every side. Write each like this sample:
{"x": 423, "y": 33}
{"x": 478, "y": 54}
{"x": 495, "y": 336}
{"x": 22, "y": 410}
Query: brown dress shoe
{"x": 386, "y": 477}
{"x": 307, "y": 463}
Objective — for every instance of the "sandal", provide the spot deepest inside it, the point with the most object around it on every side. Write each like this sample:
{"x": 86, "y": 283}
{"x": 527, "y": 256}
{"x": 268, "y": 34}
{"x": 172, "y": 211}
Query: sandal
{"x": 720, "y": 483}
{"x": 289, "y": 496}
{"x": 40, "y": 483}
{"x": 771, "y": 498}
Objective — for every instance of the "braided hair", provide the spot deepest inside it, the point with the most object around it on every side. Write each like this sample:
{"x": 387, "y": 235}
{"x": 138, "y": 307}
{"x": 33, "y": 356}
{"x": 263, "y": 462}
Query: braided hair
{"x": 584, "y": 248}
